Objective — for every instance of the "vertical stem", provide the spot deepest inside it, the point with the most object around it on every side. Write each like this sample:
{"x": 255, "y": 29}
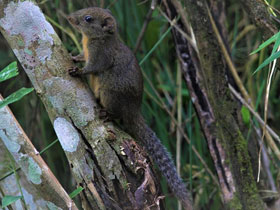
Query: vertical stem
{"x": 179, "y": 117}
{"x": 191, "y": 141}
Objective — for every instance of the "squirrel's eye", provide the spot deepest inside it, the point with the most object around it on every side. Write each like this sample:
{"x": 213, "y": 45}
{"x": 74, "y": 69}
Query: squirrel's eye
{"x": 88, "y": 18}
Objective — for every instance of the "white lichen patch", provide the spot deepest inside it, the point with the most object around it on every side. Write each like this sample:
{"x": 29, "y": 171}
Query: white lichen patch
{"x": 86, "y": 105}
{"x": 29, "y": 59}
{"x": 44, "y": 53}
{"x": 98, "y": 133}
{"x": 57, "y": 103}
{"x": 62, "y": 90}
{"x": 12, "y": 146}
{"x": 9, "y": 132}
{"x": 111, "y": 176}
{"x": 31, "y": 202}
{"x": 26, "y": 19}
{"x": 34, "y": 171}
{"x": 28, "y": 198}
{"x": 193, "y": 99}
{"x": 68, "y": 136}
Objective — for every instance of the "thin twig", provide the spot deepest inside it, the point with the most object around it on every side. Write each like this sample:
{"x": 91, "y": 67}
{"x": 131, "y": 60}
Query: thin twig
{"x": 101, "y": 4}
{"x": 269, "y": 79}
{"x": 228, "y": 59}
{"x": 190, "y": 39}
{"x": 145, "y": 25}
{"x": 111, "y": 4}
{"x": 165, "y": 92}
{"x": 179, "y": 117}
{"x": 266, "y": 162}
{"x": 181, "y": 130}
{"x": 260, "y": 120}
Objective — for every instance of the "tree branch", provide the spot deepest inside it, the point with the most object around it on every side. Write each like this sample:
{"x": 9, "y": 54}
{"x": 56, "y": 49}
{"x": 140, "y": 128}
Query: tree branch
{"x": 259, "y": 15}
{"x": 42, "y": 184}
{"x": 205, "y": 76}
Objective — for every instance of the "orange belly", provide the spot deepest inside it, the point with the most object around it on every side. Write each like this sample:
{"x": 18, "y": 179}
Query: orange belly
{"x": 93, "y": 82}
{"x": 94, "y": 85}
{"x": 85, "y": 46}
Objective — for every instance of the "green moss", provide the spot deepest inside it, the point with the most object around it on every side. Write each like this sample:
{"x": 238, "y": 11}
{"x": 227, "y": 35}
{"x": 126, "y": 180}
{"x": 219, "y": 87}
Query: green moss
{"x": 125, "y": 185}
{"x": 234, "y": 204}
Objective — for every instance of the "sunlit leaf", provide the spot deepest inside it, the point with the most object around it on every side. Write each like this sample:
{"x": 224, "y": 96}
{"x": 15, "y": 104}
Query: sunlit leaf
{"x": 268, "y": 60}
{"x": 276, "y": 45}
{"x": 266, "y": 43}
{"x": 76, "y": 192}
{"x": 15, "y": 96}
{"x": 10, "y": 71}
{"x": 245, "y": 113}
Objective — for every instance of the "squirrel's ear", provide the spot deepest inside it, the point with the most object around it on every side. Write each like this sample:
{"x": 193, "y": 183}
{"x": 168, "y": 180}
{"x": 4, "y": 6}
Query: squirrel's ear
{"x": 109, "y": 25}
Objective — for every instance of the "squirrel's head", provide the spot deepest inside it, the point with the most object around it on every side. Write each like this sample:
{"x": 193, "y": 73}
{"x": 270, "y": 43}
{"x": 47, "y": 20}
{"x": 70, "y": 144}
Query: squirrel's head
{"x": 94, "y": 22}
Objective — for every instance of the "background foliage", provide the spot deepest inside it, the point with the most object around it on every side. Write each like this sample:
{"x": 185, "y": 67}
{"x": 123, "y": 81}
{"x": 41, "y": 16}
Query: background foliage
{"x": 162, "y": 70}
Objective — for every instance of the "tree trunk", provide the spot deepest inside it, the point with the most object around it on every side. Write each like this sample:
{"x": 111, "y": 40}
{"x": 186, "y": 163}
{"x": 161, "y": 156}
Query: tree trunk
{"x": 205, "y": 74}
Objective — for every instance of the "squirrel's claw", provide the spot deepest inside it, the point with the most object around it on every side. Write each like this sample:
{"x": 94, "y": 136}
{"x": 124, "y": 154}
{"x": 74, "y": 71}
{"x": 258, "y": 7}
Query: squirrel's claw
{"x": 73, "y": 71}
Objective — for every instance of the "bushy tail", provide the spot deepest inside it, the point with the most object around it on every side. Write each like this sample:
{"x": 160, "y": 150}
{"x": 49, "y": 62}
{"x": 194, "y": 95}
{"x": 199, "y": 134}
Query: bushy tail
{"x": 139, "y": 130}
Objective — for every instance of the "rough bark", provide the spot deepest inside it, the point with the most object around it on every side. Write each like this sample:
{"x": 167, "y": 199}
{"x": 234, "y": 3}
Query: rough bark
{"x": 106, "y": 162}
{"x": 37, "y": 181}
{"x": 258, "y": 13}
{"x": 205, "y": 76}
{"x": 233, "y": 154}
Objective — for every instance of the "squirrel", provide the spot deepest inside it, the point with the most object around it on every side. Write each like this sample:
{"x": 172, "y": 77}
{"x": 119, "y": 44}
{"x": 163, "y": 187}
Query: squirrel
{"x": 118, "y": 85}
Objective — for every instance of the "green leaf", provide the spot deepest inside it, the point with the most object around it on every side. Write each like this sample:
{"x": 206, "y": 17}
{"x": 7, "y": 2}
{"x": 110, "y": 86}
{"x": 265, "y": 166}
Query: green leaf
{"x": 245, "y": 113}
{"x": 167, "y": 88}
{"x": 266, "y": 43}
{"x": 76, "y": 192}
{"x": 9, "y": 199}
{"x": 268, "y": 60}
{"x": 15, "y": 96}
{"x": 155, "y": 13}
{"x": 155, "y": 46}
{"x": 10, "y": 71}
{"x": 276, "y": 45}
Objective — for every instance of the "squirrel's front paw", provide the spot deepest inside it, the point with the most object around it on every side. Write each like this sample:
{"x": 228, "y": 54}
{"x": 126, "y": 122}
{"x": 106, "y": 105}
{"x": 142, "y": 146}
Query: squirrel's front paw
{"x": 78, "y": 58}
{"x": 74, "y": 71}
